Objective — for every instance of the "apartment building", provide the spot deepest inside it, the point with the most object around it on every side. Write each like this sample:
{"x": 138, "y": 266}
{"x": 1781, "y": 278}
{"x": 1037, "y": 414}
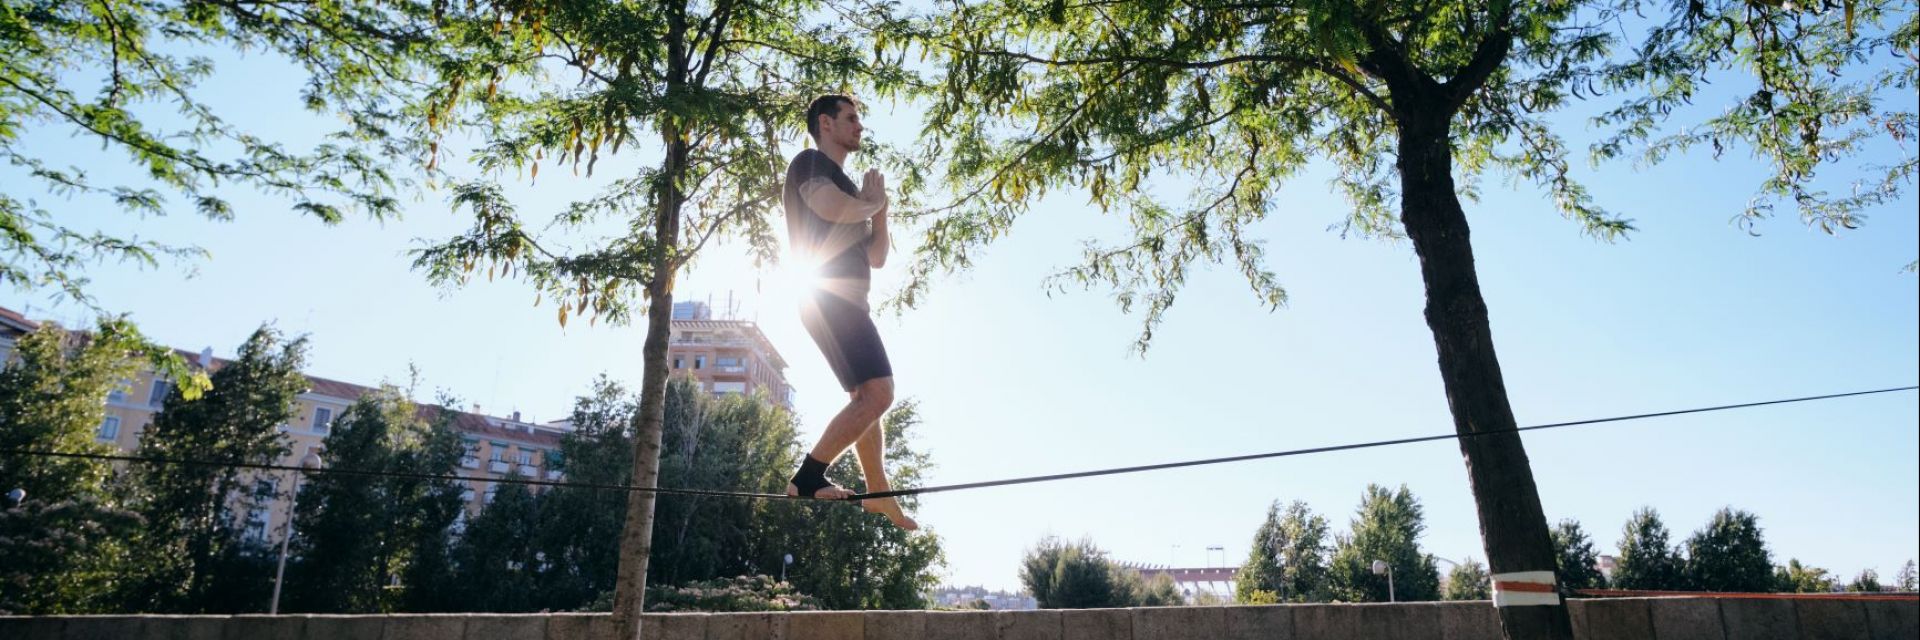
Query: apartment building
{"x": 497, "y": 447}
{"x": 726, "y": 355}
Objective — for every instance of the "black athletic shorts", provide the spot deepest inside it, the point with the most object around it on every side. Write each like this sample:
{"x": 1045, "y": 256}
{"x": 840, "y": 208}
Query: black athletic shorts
{"x": 847, "y": 337}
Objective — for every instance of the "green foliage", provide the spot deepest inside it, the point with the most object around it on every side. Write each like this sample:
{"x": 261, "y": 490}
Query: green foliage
{"x": 64, "y": 557}
{"x": 1288, "y": 558}
{"x": 1576, "y": 562}
{"x": 1237, "y": 99}
{"x": 587, "y": 548}
{"x": 1160, "y": 591}
{"x": 1799, "y": 578}
{"x": 357, "y": 535}
{"x": 193, "y": 512}
{"x": 743, "y": 593}
{"x": 713, "y": 88}
{"x": 63, "y": 548}
{"x": 1387, "y": 526}
{"x": 1647, "y": 560}
{"x": 717, "y": 443}
{"x": 1468, "y": 581}
{"x": 1729, "y": 555}
{"x": 720, "y": 595}
{"x": 98, "y": 70}
{"x": 1076, "y": 575}
{"x": 844, "y": 558}
{"x": 52, "y": 398}
{"x": 849, "y": 558}
{"x": 1867, "y": 581}
{"x": 1256, "y": 597}
{"x": 496, "y": 564}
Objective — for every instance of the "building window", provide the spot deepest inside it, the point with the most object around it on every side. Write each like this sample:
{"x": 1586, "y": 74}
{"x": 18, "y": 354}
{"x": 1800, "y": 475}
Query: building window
{"x": 699, "y": 362}
{"x": 322, "y": 420}
{"x": 499, "y": 451}
{"x": 109, "y": 428}
{"x": 257, "y": 518}
{"x": 119, "y": 392}
{"x": 678, "y": 362}
{"x": 159, "y": 393}
{"x": 526, "y": 457}
{"x": 726, "y": 362}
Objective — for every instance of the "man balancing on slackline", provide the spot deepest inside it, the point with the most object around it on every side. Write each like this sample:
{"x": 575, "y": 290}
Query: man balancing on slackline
{"x": 840, "y": 234}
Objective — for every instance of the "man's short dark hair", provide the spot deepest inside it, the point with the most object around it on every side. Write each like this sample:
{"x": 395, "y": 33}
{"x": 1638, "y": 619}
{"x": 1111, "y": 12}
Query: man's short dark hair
{"x": 827, "y": 105}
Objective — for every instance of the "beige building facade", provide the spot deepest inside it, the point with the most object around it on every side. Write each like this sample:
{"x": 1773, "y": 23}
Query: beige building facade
{"x": 496, "y": 447}
{"x": 726, "y": 356}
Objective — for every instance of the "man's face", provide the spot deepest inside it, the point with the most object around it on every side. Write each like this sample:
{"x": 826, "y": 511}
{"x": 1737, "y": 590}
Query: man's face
{"x": 843, "y": 128}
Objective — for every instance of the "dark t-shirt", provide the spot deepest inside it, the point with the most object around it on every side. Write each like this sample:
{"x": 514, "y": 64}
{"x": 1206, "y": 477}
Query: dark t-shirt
{"x": 839, "y": 249}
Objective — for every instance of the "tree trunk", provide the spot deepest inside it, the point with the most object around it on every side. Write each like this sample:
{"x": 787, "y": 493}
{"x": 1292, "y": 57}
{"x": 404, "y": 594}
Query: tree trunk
{"x": 636, "y": 538}
{"x": 1512, "y": 525}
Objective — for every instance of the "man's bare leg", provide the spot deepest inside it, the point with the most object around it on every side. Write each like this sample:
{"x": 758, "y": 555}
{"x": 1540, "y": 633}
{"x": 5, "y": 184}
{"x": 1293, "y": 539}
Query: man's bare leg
{"x": 870, "y": 451}
{"x": 869, "y": 401}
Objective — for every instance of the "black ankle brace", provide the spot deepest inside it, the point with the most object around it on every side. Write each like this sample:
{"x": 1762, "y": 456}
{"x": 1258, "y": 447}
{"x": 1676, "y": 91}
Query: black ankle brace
{"x": 811, "y": 477}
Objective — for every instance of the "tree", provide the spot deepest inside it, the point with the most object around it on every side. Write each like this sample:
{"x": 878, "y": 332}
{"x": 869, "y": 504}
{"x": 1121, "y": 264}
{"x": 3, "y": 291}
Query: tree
{"x": 1158, "y": 592}
{"x": 63, "y": 546}
{"x": 718, "y": 443}
{"x": 1906, "y": 580}
{"x": 356, "y": 534}
{"x": 1468, "y": 581}
{"x": 1729, "y": 555}
{"x": 1799, "y": 578}
{"x": 356, "y": 55}
{"x": 1237, "y": 97}
{"x": 715, "y": 85}
{"x": 1867, "y": 581}
{"x": 598, "y": 451}
{"x": 496, "y": 563}
{"x": 1647, "y": 562}
{"x": 1387, "y": 526}
{"x": 1072, "y": 575}
{"x": 197, "y": 561}
{"x": 843, "y": 558}
{"x": 52, "y": 399}
{"x": 1576, "y": 561}
{"x": 846, "y": 557}
{"x": 1288, "y": 559}
{"x": 358, "y": 59}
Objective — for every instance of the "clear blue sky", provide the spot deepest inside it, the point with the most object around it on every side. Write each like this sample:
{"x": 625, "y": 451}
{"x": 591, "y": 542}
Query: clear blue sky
{"x": 1691, "y": 311}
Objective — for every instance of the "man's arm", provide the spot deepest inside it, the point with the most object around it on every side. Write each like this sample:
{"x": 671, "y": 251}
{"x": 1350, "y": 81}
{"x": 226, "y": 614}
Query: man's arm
{"x": 838, "y": 207}
{"x": 873, "y": 187}
{"x": 877, "y": 243}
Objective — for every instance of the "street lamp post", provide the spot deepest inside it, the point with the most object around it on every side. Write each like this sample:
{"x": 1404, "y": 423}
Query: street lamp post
{"x": 1381, "y": 567}
{"x": 293, "y": 499}
{"x": 784, "y": 561}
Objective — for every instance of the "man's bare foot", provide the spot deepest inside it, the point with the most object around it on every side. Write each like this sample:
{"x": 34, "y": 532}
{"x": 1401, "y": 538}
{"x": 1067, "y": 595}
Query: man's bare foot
{"x": 891, "y": 509}
{"x": 829, "y": 492}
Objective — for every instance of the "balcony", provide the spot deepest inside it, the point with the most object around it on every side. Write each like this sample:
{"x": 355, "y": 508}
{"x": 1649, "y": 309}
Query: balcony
{"x": 529, "y": 471}
{"x": 466, "y": 496}
{"x": 498, "y": 466}
{"x": 718, "y": 342}
{"x": 469, "y": 462}
{"x": 731, "y": 368}
{"x": 554, "y": 474}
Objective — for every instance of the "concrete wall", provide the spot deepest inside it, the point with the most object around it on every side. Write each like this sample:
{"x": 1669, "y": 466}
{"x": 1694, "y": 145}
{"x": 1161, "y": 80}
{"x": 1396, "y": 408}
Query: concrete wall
{"x": 1635, "y": 618}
